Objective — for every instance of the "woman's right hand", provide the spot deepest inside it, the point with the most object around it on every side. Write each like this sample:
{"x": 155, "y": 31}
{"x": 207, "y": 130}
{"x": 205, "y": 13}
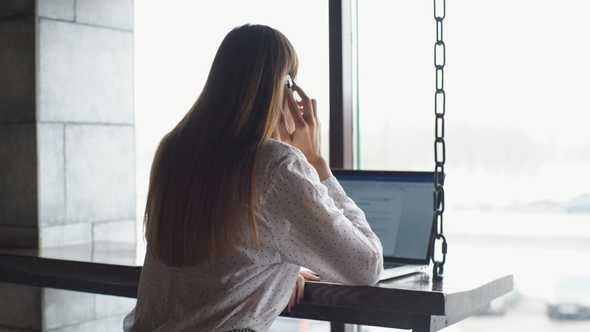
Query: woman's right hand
{"x": 298, "y": 290}
{"x": 306, "y": 136}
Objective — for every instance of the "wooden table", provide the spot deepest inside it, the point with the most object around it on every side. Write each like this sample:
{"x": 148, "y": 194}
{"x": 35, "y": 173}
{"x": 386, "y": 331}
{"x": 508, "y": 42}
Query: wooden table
{"x": 413, "y": 302}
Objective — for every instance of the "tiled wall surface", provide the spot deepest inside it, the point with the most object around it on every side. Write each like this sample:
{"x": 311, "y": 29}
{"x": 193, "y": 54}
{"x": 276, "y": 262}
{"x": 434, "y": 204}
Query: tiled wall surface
{"x": 76, "y": 311}
{"x": 67, "y": 119}
{"x": 18, "y": 172}
{"x": 20, "y": 308}
{"x": 18, "y": 169}
{"x": 91, "y": 83}
{"x": 35, "y": 309}
{"x": 17, "y": 61}
{"x": 26, "y": 308}
{"x": 67, "y": 150}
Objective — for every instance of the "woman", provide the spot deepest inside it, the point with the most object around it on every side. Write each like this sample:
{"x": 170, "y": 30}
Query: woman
{"x": 239, "y": 200}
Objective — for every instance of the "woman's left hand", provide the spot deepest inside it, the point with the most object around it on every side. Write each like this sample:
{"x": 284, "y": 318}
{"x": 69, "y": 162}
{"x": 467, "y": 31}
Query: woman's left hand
{"x": 297, "y": 294}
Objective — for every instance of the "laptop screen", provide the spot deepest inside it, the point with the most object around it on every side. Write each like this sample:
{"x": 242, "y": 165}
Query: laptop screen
{"x": 399, "y": 208}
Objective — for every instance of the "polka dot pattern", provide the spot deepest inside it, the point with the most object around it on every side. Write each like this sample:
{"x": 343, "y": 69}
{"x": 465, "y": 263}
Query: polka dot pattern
{"x": 302, "y": 223}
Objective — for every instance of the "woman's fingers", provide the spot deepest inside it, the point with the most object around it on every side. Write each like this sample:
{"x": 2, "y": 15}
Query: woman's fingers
{"x": 305, "y": 109}
{"x": 298, "y": 290}
{"x": 309, "y": 276}
{"x": 294, "y": 109}
{"x": 292, "y": 299}
{"x": 297, "y": 294}
{"x": 306, "y": 103}
{"x": 306, "y": 135}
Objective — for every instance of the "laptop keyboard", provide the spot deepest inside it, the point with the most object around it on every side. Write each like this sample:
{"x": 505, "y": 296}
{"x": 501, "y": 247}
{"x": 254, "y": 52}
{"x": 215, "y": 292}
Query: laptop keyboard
{"x": 387, "y": 266}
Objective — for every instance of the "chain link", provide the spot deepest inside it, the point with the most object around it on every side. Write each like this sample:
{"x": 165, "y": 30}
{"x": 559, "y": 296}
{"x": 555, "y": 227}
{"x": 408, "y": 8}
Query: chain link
{"x": 439, "y": 143}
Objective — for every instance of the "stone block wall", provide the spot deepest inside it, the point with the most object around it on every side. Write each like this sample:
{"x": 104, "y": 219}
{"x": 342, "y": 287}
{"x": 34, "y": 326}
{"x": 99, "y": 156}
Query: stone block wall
{"x": 67, "y": 148}
{"x": 67, "y": 119}
{"x": 53, "y": 310}
{"x": 18, "y": 169}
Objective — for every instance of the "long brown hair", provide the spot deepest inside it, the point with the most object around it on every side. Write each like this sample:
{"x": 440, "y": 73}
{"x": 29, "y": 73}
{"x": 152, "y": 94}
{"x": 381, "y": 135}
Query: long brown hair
{"x": 202, "y": 191}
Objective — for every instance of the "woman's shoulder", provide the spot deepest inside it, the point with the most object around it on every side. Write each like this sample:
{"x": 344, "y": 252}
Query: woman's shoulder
{"x": 276, "y": 155}
{"x": 276, "y": 151}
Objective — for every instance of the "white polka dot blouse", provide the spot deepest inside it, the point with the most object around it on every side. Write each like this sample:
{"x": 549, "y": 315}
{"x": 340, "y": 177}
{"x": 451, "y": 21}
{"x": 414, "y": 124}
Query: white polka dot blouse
{"x": 302, "y": 223}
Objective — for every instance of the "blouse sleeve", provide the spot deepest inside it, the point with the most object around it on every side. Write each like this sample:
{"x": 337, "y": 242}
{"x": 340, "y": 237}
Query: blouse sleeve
{"x": 315, "y": 225}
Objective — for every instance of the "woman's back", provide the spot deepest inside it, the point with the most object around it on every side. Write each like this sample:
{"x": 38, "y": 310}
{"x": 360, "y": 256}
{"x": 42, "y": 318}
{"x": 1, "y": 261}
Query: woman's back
{"x": 249, "y": 288}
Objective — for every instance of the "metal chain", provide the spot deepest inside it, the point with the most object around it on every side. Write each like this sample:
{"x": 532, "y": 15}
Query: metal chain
{"x": 439, "y": 143}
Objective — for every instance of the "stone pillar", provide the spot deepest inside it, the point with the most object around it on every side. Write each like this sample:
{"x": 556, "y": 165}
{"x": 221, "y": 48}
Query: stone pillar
{"x": 67, "y": 154}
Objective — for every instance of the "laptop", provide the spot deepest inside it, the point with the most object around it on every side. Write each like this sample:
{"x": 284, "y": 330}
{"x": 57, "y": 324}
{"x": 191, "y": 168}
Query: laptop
{"x": 399, "y": 208}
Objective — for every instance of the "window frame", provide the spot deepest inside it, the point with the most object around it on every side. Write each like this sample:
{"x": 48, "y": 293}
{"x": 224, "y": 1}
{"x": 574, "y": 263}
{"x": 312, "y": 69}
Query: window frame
{"x": 341, "y": 84}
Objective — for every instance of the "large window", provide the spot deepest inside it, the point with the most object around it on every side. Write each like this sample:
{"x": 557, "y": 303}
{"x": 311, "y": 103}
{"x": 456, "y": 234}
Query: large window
{"x": 174, "y": 47}
{"x": 395, "y": 84}
{"x": 175, "y": 42}
{"x": 518, "y": 153}
{"x": 518, "y": 185}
